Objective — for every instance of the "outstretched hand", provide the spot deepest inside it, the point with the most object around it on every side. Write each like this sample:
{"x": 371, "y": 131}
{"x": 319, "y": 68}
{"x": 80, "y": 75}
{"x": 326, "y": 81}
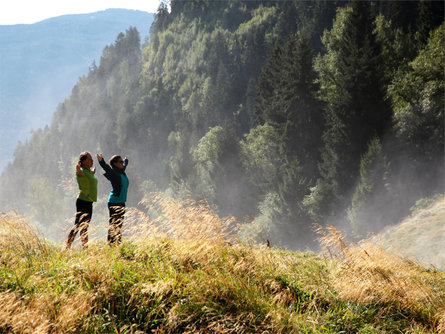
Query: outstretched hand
{"x": 99, "y": 157}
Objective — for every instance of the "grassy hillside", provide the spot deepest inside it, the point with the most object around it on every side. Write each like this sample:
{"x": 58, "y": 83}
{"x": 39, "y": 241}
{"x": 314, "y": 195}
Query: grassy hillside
{"x": 183, "y": 270}
{"x": 420, "y": 236}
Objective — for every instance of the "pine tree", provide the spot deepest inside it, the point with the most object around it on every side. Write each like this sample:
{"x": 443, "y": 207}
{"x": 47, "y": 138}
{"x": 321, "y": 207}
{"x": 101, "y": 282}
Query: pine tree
{"x": 355, "y": 110}
{"x": 370, "y": 202}
{"x": 219, "y": 173}
{"x": 431, "y": 15}
{"x": 287, "y": 103}
{"x": 286, "y": 100}
{"x": 418, "y": 99}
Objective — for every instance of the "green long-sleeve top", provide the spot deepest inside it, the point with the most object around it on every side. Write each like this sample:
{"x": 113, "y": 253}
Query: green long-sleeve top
{"x": 87, "y": 186}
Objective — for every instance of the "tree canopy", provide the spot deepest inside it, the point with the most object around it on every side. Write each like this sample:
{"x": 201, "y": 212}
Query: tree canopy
{"x": 283, "y": 113}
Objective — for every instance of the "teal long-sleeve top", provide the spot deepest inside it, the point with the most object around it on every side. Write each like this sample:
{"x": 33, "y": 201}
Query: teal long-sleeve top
{"x": 122, "y": 198}
{"x": 119, "y": 182}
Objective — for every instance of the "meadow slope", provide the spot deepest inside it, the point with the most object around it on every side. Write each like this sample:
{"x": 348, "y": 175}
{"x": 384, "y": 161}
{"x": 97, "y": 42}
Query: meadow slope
{"x": 420, "y": 237}
{"x": 183, "y": 271}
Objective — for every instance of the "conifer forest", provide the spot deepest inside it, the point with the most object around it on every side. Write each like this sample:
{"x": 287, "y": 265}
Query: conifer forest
{"x": 283, "y": 114}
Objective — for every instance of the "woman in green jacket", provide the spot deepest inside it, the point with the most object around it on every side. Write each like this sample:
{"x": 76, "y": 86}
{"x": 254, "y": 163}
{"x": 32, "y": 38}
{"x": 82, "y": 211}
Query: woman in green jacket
{"x": 87, "y": 195}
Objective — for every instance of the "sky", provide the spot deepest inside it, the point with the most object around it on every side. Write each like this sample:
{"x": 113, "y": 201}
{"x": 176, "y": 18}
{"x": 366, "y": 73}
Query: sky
{"x": 32, "y": 11}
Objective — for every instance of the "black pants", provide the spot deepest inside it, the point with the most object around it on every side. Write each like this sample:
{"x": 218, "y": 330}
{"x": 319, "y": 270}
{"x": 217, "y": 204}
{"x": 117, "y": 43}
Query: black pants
{"x": 117, "y": 212}
{"x": 84, "y": 212}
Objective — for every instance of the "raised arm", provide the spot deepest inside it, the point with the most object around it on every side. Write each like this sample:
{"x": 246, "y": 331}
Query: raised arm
{"x": 103, "y": 164}
{"x": 79, "y": 169}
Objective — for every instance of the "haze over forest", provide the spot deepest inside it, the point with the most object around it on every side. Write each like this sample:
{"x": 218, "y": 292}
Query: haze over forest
{"x": 281, "y": 113}
{"x": 41, "y": 62}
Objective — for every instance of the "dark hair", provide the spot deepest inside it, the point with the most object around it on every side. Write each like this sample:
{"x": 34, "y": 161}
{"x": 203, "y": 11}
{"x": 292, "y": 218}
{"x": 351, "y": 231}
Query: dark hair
{"x": 114, "y": 159}
{"x": 83, "y": 156}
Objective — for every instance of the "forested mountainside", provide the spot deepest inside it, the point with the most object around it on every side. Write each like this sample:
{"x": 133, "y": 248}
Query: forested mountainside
{"x": 41, "y": 62}
{"x": 282, "y": 113}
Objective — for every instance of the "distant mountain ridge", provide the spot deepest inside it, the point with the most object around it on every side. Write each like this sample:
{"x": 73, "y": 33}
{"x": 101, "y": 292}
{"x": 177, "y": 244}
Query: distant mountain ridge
{"x": 41, "y": 62}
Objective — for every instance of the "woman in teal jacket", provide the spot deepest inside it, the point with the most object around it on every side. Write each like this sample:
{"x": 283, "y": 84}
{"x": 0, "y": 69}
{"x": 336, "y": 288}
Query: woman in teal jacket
{"x": 87, "y": 195}
{"x": 115, "y": 172}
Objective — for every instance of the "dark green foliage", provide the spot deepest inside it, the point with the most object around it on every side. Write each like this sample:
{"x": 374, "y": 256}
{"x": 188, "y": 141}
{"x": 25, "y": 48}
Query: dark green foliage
{"x": 162, "y": 18}
{"x": 417, "y": 96}
{"x": 396, "y": 48}
{"x": 350, "y": 77}
{"x": 261, "y": 157}
{"x": 402, "y": 14}
{"x": 287, "y": 102}
{"x": 220, "y": 177}
{"x": 370, "y": 197}
{"x": 431, "y": 15}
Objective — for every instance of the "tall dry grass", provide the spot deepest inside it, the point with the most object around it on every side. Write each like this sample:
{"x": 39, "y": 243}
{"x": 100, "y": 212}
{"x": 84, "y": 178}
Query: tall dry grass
{"x": 365, "y": 273}
{"x": 58, "y": 290}
{"x": 30, "y": 297}
{"x": 181, "y": 269}
{"x": 184, "y": 219}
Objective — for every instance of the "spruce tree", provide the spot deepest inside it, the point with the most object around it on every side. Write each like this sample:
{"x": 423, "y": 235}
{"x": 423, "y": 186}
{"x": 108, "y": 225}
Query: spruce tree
{"x": 418, "y": 99}
{"x": 287, "y": 102}
{"x": 350, "y": 78}
{"x": 431, "y": 15}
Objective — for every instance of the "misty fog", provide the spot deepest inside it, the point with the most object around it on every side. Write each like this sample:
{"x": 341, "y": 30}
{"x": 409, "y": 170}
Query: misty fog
{"x": 41, "y": 63}
{"x": 276, "y": 113}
